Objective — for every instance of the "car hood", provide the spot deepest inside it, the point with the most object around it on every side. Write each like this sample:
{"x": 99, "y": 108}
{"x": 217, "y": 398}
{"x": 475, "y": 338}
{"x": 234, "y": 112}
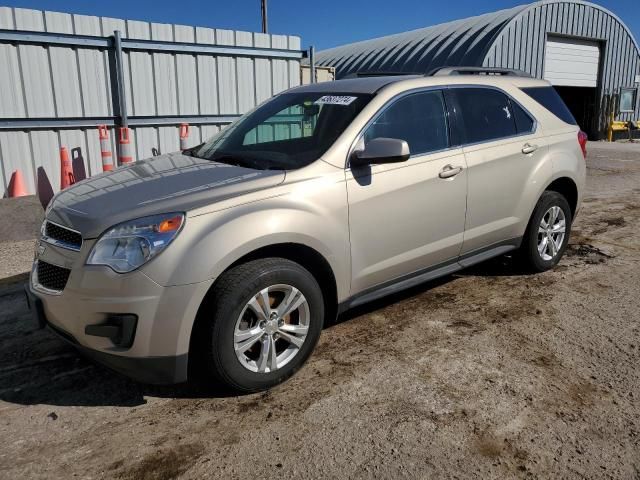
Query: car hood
{"x": 169, "y": 183}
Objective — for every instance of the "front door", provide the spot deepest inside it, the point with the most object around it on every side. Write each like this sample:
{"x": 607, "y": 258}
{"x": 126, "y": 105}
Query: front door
{"x": 409, "y": 216}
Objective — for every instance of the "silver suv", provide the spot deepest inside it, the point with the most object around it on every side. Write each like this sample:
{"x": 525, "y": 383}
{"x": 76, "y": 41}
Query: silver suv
{"x": 224, "y": 261}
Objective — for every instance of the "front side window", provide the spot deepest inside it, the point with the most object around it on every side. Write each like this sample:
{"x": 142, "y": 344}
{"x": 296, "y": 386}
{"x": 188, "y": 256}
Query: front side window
{"x": 419, "y": 119}
{"x": 486, "y": 114}
{"x": 285, "y": 133}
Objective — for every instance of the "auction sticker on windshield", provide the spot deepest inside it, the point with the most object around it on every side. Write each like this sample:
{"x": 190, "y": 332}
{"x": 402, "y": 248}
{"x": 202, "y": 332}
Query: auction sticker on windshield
{"x": 335, "y": 100}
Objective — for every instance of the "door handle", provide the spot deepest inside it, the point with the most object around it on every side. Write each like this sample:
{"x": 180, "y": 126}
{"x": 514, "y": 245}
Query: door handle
{"x": 449, "y": 171}
{"x": 528, "y": 148}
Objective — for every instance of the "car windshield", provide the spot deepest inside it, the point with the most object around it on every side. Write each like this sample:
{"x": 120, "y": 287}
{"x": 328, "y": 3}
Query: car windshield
{"x": 285, "y": 133}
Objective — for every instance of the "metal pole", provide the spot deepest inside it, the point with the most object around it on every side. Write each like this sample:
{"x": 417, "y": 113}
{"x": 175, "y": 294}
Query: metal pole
{"x": 122, "y": 99}
{"x": 312, "y": 64}
{"x": 263, "y": 9}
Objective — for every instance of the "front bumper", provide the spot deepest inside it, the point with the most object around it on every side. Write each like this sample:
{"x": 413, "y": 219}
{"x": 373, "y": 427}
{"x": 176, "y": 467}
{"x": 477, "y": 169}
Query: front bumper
{"x": 165, "y": 316}
{"x": 153, "y": 370}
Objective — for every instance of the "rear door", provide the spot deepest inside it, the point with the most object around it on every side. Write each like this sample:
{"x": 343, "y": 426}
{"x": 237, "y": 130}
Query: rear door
{"x": 502, "y": 146}
{"x": 406, "y": 217}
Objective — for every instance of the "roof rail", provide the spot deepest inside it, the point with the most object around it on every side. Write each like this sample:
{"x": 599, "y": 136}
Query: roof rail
{"x": 444, "y": 71}
{"x": 378, "y": 74}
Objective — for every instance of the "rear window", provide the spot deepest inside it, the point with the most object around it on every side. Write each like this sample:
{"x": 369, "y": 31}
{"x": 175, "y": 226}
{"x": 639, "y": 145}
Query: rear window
{"x": 549, "y": 99}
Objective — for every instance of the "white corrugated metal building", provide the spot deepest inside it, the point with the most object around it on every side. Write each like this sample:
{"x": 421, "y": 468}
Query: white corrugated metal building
{"x": 583, "y": 49}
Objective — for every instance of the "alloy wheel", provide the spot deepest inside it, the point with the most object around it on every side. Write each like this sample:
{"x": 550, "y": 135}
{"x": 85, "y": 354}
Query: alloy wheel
{"x": 271, "y": 328}
{"x": 551, "y": 233}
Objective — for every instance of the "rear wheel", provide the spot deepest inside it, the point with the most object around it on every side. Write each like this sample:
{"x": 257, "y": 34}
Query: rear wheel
{"x": 547, "y": 234}
{"x": 265, "y": 320}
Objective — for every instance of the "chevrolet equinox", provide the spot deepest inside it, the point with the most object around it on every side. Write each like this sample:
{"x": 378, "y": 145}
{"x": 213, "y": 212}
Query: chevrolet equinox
{"x": 223, "y": 262}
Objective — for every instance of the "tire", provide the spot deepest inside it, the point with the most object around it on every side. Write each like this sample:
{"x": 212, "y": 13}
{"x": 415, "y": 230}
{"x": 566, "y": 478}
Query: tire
{"x": 221, "y": 326}
{"x": 531, "y": 259}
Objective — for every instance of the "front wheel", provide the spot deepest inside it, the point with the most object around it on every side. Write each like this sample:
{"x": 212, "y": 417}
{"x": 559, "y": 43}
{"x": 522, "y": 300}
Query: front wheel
{"x": 547, "y": 234}
{"x": 265, "y": 319}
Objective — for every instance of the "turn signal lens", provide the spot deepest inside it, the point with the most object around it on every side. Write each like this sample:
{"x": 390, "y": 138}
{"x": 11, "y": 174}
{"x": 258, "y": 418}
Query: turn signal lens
{"x": 170, "y": 224}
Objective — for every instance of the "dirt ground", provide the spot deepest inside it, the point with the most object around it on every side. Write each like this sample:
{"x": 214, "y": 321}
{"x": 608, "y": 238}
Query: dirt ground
{"x": 485, "y": 374}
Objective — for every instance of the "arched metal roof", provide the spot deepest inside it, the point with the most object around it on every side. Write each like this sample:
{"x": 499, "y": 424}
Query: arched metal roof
{"x": 461, "y": 42}
{"x": 468, "y": 42}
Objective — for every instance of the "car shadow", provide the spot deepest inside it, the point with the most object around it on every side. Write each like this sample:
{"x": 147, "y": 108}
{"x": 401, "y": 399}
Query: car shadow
{"x": 37, "y": 367}
{"x": 66, "y": 378}
{"x": 499, "y": 267}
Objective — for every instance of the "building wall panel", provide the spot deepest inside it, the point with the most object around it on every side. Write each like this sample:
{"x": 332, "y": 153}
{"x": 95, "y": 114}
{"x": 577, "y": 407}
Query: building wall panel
{"x": 37, "y": 81}
{"x": 93, "y": 157}
{"x": 11, "y": 100}
{"x": 280, "y": 67}
{"x": 169, "y": 139}
{"x": 208, "y": 131}
{"x": 66, "y": 82}
{"x": 164, "y": 72}
{"x": 93, "y": 83}
{"x": 16, "y": 154}
{"x": 227, "y": 84}
{"x": 207, "y": 74}
{"x": 75, "y": 82}
{"x": 6, "y": 18}
{"x": 264, "y": 88}
{"x": 187, "y": 74}
{"x": 246, "y": 75}
{"x": 619, "y": 51}
{"x": 146, "y": 140}
{"x": 92, "y": 67}
{"x": 143, "y": 99}
{"x": 45, "y": 147}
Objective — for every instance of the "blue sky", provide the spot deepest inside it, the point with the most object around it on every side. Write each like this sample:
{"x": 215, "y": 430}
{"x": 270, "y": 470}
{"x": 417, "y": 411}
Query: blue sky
{"x": 323, "y": 23}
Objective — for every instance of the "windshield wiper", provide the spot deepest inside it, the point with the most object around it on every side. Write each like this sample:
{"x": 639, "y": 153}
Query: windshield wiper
{"x": 191, "y": 151}
{"x": 239, "y": 161}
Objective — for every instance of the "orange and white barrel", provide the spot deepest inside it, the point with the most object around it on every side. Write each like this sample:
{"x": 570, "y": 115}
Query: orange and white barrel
{"x": 184, "y": 135}
{"x": 105, "y": 148}
{"x": 124, "y": 140}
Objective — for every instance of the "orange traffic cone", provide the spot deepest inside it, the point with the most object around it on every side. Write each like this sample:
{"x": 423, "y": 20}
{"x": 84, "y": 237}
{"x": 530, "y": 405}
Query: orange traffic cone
{"x": 17, "y": 187}
{"x": 66, "y": 169}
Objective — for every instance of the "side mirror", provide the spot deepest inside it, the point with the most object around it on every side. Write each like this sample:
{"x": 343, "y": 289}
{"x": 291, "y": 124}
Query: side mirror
{"x": 381, "y": 150}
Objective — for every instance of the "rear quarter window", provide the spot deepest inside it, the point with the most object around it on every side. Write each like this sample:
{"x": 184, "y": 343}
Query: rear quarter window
{"x": 524, "y": 123}
{"x": 549, "y": 99}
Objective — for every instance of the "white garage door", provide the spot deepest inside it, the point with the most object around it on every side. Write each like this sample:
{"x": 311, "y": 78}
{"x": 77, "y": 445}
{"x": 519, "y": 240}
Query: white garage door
{"x": 571, "y": 62}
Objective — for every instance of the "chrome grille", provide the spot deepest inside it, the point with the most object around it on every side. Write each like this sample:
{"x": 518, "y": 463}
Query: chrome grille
{"x": 52, "y": 276}
{"x": 62, "y": 236}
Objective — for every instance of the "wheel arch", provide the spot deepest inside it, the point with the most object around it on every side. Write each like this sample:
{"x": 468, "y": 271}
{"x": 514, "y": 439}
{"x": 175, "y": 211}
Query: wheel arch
{"x": 310, "y": 259}
{"x": 304, "y": 255}
{"x": 566, "y": 187}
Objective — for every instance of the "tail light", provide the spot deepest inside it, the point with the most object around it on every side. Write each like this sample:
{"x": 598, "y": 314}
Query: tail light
{"x": 582, "y": 140}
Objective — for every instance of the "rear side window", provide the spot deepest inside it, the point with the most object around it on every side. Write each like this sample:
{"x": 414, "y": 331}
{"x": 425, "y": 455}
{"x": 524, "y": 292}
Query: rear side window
{"x": 549, "y": 99}
{"x": 524, "y": 123}
{"x": 419, "y": 119}
{"x": 486, "y": 114}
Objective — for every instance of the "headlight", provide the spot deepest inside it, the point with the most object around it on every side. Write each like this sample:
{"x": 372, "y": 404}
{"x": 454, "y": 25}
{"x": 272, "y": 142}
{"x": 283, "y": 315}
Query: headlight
{"x": 130, "y": 245}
